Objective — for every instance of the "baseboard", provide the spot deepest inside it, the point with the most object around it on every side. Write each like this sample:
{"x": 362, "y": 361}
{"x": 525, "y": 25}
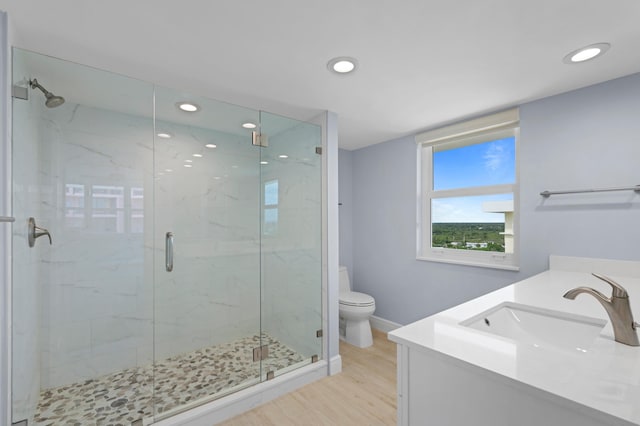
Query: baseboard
{"x": 383, "y": 324}
{"x": 335, "y": 365}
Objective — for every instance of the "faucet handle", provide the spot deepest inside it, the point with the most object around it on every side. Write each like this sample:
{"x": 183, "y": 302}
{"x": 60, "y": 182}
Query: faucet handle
{"x": 618, "y": 290}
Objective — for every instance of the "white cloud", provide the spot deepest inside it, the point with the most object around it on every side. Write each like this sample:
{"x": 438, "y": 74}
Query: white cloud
{"x": 495, "y": 156}
{"x": 462, "y": 210}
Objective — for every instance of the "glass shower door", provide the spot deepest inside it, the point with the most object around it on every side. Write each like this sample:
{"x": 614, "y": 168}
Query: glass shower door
{"x": 207, "y": 246}
{"x": 82, "y": 305}
{"x": 290, "y": 178}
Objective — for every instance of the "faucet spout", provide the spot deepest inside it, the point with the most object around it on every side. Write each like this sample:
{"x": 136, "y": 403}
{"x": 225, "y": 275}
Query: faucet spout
{"x": 617, "y": 307}
{"x": 571, "y": 294}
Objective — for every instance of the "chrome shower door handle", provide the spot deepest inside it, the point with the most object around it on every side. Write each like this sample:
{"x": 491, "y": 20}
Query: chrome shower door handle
{"x": 168, "y": 251}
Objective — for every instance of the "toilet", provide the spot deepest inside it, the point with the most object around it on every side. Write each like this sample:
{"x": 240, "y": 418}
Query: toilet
{"x": 354, "y": 310}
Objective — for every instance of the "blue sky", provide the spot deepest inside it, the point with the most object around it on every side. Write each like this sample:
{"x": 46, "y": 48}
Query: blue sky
{"x": 489, "y": 163}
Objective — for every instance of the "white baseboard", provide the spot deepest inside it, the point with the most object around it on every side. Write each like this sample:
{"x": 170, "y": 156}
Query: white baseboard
{"x": 383, "y": 324}
{"x": 335, "y": 365}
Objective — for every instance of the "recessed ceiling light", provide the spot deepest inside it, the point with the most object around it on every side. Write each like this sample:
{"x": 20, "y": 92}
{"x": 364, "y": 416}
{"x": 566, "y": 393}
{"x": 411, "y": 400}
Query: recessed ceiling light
{"x": 211, "y": 145}
{"x": 342, "y": 65}
{"x": 188, "y": 165}
{"x": 197, "y": 155}
{"x": 188, "y": 106}
{"x": 249, "y": 125}
{"x": 283, "y": 156}
{"x": 264, "y": 162}
{"x": 188, "y": 161}
{"x": 164, "y": 135}
{"x": 586, "y": 53}
{"x": 168, "y": 170}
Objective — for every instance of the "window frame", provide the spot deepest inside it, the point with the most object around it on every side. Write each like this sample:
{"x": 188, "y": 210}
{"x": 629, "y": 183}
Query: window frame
{"x": 483, "y": 129}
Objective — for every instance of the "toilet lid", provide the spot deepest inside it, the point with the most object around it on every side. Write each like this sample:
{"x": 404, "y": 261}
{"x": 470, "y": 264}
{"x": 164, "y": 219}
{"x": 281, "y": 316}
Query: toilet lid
{"x": 353, "y": 298}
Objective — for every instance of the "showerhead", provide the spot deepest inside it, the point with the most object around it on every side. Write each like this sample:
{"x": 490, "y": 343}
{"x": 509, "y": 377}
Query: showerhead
{"x": 52, "y": 100}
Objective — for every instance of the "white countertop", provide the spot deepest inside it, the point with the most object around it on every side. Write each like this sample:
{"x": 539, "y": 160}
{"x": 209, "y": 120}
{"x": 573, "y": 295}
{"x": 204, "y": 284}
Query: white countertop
{"x": 605, "y": 377}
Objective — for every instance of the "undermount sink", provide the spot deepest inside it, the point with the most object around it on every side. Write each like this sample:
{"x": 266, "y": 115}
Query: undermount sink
{"x": 538, "y": 327}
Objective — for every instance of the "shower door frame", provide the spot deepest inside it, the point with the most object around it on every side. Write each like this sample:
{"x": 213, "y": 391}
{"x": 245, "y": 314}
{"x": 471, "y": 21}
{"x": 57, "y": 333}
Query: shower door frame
{"x": 5, "y": 228}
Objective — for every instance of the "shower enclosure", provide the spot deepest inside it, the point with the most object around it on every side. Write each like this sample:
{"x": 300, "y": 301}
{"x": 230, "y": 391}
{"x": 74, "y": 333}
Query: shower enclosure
{"x": 185, "y": 254}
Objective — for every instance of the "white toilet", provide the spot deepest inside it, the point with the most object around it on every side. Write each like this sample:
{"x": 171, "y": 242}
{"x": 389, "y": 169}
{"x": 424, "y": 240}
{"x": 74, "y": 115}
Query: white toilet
{"x": 355, "y": 309}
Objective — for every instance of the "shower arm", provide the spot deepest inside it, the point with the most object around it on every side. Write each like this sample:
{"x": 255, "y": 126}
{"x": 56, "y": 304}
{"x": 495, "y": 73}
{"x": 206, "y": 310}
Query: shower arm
{"x": 35, "y": 85}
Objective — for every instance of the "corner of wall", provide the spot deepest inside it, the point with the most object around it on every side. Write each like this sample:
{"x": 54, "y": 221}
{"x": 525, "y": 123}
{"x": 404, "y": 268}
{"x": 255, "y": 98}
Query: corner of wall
{"x": 333, "y": 235}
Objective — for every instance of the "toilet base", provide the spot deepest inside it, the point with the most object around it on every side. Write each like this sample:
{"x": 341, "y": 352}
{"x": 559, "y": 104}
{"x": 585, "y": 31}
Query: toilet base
{"x": 358, "y": 333}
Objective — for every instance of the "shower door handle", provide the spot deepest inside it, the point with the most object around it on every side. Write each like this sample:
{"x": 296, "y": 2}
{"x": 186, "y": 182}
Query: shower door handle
{"x": 168, "y": 251}
{"x": 7, "y": 219}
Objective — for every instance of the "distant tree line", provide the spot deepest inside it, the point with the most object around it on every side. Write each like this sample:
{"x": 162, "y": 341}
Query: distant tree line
{"x": 480, "y": 236}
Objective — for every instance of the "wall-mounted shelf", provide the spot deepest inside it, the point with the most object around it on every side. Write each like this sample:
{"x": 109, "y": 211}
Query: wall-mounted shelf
{"x": 547, "y": 194}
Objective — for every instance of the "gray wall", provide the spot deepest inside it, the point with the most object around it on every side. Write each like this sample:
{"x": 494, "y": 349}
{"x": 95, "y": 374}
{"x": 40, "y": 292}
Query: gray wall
{"x": 345, "y": 191}
{"x": 588, "y": 138}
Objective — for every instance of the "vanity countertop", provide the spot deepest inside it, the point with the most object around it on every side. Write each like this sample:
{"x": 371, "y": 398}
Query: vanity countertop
{"x": 604, "y": 376}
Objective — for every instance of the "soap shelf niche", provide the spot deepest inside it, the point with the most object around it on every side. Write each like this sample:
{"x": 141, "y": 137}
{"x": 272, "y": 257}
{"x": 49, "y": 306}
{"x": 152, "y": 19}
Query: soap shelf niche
{"x": 547, "y": 194}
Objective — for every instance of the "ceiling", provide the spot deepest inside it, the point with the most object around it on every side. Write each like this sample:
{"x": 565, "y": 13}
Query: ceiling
{"x": 422, "y": 63}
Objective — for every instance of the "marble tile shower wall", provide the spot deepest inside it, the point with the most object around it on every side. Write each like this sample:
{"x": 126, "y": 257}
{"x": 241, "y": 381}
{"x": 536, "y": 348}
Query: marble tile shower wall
{"x": 213, "y": 294}
{"x": 97, "y": 277}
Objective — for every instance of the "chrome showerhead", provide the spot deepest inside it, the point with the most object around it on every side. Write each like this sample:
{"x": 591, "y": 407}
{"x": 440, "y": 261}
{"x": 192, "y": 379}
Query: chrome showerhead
{"x": 52, "y": 100}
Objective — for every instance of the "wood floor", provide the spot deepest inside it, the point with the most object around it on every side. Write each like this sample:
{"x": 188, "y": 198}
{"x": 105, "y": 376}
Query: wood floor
{"x": 363, "y": 394}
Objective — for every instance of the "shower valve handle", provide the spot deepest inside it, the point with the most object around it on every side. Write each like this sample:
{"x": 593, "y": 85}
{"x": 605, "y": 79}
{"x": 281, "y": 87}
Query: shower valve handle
{"x": 36, "y": 232}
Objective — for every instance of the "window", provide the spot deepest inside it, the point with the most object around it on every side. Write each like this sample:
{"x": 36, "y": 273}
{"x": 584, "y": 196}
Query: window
{"x": 468, "y": 192}
{"x": 270, "y": 215}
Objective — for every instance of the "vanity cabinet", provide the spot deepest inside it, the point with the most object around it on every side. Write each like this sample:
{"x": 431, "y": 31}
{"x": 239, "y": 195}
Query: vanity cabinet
{"x": 452, "y": 373}
{"x": 438, "y": 390}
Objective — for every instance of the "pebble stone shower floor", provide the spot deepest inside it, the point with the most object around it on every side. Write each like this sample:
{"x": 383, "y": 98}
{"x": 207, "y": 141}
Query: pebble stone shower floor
{"x": 129, "y": 395}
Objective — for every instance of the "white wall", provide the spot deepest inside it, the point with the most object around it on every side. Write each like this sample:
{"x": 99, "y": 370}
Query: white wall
{"x": 587, "y": 138}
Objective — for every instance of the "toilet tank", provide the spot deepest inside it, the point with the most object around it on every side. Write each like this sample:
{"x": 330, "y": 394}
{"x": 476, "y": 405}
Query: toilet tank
{"x": 345, "y": 286}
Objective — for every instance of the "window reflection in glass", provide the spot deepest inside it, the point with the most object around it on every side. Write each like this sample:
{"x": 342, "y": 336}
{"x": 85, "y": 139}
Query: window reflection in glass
{"x": 74, "y": 213}
{"x": 105, "y": 209}
{"x": 270, "y": 221}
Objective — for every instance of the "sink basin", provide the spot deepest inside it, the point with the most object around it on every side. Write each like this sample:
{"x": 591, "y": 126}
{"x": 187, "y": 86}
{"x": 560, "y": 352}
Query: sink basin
{"x": 538, "y": 327}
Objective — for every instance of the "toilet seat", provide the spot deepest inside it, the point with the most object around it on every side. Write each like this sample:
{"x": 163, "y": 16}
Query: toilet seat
{"x": 353, "y": 298}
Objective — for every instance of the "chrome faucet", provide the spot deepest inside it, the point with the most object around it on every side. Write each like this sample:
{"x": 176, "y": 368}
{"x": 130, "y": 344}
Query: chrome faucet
{"x": 618, "y": 308}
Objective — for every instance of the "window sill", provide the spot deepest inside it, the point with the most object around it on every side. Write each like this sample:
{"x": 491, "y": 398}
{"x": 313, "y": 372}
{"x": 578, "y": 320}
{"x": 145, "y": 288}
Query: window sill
{"x": 470, "y": 263}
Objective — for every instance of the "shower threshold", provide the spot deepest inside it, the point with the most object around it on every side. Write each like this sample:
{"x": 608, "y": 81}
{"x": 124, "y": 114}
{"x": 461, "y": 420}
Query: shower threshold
{"x": 181, "y": 382}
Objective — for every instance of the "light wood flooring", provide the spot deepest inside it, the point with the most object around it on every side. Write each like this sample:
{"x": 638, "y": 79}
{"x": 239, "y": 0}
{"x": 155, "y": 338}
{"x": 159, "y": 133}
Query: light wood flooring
{"x": 363, "y": 394}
